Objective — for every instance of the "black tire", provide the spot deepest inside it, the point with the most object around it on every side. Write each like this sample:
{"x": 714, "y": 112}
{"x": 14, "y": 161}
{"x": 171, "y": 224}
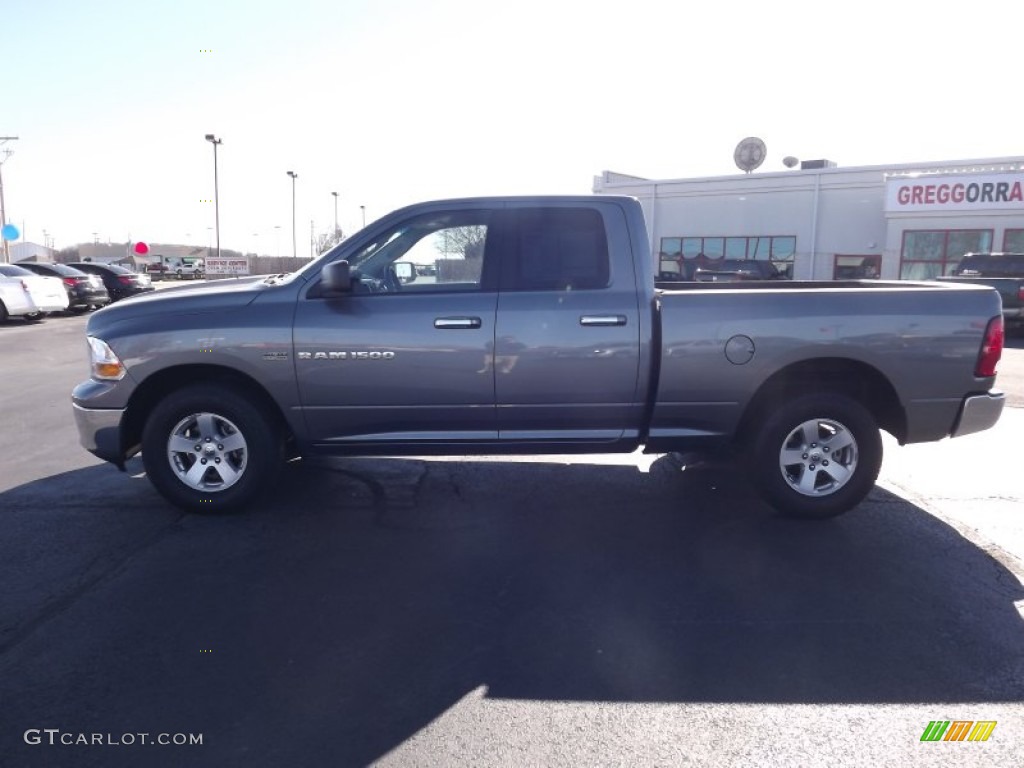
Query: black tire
{"x": 3, "y": 313}
{"x": 35, "y": 317}
{"x": 816, "y": 456}
{"x": 217, "y": 477}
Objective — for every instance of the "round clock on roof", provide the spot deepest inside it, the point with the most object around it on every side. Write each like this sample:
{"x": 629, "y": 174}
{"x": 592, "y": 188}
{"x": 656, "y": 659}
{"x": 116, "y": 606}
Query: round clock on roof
{"x": 750, "y": 153}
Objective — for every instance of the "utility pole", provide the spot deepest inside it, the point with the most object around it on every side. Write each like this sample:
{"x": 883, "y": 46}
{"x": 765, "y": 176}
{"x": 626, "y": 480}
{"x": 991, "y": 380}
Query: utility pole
{"x": 3, "y": 212}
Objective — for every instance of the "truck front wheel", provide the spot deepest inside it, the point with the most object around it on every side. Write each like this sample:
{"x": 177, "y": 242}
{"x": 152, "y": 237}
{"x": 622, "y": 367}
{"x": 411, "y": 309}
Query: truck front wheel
{"x": 816, "y": 456}
{"x": 208, "y": 448}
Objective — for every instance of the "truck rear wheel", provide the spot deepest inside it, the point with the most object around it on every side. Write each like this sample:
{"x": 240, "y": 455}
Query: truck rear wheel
{"x": 208, "y": 448}
{"x": 816, "y": 456}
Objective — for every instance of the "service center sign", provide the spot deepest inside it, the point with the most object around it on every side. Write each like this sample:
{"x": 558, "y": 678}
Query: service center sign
{"x": 225, "y": 266}
{"x": 975, "y": 192}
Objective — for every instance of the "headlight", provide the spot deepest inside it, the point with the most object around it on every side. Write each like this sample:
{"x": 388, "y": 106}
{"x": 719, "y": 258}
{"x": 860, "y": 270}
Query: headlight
{"x": 105, "y": 364}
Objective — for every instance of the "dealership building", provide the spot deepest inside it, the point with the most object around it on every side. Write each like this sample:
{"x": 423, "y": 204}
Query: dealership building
{"x": 818, "y": 221}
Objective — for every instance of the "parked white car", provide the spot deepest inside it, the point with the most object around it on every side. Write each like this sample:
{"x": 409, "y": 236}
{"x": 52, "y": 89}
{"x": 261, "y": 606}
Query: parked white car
{"x": 24, "y": 294}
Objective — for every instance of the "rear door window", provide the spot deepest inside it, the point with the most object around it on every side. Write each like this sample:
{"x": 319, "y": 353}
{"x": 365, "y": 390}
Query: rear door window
{"x": 557, "y": 249}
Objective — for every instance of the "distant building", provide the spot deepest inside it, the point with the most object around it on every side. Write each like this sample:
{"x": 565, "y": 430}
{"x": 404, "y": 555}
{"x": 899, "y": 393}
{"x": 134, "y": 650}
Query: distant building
{"x": 911, "y": 221}
{"x": 29, "y": 252}
{"x": 104, "y": 253}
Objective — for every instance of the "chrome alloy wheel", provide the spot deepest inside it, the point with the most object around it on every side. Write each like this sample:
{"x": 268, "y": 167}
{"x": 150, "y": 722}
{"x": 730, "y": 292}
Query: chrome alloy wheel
{"x": 818, "y": 457}
{"x": 207, "y": 452}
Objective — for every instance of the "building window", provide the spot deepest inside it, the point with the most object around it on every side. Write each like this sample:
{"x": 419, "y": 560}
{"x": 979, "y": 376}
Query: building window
{"x": 780, "y": 250}
{"x": 1013, "y": 241}
{"x": 931, "y": 253}
{"x": 857, "y": 267}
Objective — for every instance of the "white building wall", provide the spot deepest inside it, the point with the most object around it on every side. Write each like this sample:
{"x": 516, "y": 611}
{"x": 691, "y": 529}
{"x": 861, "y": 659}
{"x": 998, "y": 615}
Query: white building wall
{"x": 830, "y": 211}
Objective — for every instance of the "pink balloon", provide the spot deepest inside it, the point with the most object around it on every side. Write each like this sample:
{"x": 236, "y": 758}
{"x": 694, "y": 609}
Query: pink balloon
{"x": 141, "y": 248}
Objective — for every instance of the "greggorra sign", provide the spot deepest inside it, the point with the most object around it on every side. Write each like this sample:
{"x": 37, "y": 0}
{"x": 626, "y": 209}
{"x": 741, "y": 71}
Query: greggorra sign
{"x": 974, "y": 192}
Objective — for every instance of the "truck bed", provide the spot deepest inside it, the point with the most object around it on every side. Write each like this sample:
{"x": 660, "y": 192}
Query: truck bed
{"x": 717, "y": 350}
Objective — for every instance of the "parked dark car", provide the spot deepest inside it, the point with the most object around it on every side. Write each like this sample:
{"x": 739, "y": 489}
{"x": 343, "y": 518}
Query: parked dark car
{"x": 733, "y": 270}
{"x": 1002, "y": 271}
{"x": 120, "y": 282}
{"x": 991, "y": 265}
{"x": 675, "y": 271}
{"x": 84, "y": 290}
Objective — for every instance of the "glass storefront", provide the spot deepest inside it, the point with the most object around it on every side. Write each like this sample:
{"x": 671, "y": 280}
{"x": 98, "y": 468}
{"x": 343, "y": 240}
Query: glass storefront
{"x": 780, "y": 250}
{"x": 930, "y": 253}
{"x": 1013, "y": 241}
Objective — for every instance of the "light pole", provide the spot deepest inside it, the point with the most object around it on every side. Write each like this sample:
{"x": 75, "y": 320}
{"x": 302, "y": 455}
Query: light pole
{"x": 277, "y": 240}
{"x": 3, "y": 213}
{"x": 363, "y": 209}
{"x": 294, "y": 176}
{"x": 216, "y": 191}
{"x": 335, "y": 213}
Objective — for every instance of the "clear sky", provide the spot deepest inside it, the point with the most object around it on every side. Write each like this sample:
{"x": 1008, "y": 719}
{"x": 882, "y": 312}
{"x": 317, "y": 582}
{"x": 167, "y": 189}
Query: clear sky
{"x": 388, "y": 102}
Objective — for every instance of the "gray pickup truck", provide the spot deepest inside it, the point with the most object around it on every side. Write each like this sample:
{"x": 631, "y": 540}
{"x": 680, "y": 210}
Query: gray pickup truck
{"x": 532, "y": 325}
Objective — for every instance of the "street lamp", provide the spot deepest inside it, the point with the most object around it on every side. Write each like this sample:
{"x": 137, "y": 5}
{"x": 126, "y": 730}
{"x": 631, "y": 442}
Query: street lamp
{"x": 363, "y": 209}
{"x": 335, "y": 213}
{"x": 294, "y": 176}
{"x": 216, "y": 191}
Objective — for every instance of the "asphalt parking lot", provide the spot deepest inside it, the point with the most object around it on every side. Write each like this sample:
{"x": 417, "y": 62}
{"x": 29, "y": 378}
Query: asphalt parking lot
{"x": 559, "y": 611}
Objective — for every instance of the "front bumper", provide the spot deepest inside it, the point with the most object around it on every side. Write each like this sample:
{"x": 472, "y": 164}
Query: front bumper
{"x": 978, "y": 413}
{"x": 99, "y": 432}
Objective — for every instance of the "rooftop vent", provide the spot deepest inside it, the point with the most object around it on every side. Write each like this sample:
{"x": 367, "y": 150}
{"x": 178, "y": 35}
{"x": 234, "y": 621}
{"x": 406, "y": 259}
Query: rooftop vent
{"x": 810, "y": 165}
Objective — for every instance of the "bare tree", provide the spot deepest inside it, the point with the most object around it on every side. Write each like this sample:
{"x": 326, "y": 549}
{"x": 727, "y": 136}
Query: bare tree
{"x": 64, "y": 255}
{"x": 465, "y": 242}
{"x": 328, "y": 240}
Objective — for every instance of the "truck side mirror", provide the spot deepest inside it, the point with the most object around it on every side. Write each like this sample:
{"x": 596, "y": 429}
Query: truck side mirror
{"x": 405, "y": 271}
{"x": 336, "y": 279}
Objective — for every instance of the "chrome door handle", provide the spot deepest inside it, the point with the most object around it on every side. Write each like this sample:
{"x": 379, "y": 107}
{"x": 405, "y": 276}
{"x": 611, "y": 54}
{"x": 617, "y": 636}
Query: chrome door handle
{"x": 457, "y": 322}
{"x": 601, "y": 320}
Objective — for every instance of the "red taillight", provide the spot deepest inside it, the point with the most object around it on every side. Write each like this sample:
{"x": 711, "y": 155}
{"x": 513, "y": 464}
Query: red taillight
{"x": 1020, "y": 292}
{"x": 70, "y": 281}
{"x": 124, "y": 279}
{"x": 991, "y": 349}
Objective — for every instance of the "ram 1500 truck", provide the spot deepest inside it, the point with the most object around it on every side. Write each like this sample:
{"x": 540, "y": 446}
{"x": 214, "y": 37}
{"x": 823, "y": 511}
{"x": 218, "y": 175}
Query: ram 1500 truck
{"x": 539, "y": 330}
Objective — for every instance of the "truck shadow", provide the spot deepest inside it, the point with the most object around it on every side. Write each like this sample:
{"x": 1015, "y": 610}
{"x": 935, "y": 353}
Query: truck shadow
{"x": 365, "y": 598}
